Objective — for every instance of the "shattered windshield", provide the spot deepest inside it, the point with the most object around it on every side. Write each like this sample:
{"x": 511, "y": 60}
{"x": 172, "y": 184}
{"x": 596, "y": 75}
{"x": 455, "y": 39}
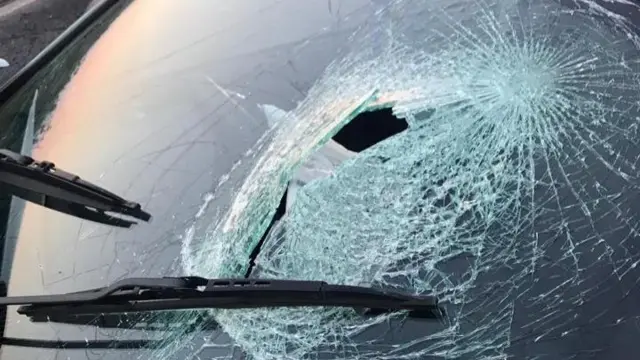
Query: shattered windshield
{"x": 481, "y": 151}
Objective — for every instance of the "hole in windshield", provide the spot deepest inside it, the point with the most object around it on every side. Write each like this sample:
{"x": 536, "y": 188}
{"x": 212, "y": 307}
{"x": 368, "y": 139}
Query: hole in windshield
{"x": 369, "y": 128}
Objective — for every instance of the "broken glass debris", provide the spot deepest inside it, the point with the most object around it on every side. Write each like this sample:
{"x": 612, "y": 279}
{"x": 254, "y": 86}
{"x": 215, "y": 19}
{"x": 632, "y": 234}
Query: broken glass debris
{"x": 510, "y": 195}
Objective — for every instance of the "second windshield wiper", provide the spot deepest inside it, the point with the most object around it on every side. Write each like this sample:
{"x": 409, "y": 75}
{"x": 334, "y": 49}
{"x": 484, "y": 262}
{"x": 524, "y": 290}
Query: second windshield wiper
{"x": 44, "y": 184}
{"x": 143, "y": 295}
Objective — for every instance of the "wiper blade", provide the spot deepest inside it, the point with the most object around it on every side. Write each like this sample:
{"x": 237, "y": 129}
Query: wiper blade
{"x": 44, "y": 184}
{"x": 138, "y": 295}
{"x": 83, "y": 344}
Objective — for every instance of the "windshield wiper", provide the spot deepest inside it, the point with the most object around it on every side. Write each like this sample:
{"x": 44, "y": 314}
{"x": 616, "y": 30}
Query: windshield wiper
{"x": 124, "y": 303}
{"x": 137, "y": 295}
{"x": 44, "y": 184}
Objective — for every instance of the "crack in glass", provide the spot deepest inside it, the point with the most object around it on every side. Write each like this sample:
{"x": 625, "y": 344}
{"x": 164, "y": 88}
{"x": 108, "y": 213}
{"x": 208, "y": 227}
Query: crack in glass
{"x": 510, "y": 196}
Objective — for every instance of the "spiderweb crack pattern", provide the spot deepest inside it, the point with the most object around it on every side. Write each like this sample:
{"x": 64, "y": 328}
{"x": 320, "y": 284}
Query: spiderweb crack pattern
{"x": 513, "y": 183}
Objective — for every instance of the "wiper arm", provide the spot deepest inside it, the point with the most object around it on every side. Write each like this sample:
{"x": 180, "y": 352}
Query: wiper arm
{"x": 144, "y": 295}
{"x": 44, "y": 184}
{"x": 134, "y": 304}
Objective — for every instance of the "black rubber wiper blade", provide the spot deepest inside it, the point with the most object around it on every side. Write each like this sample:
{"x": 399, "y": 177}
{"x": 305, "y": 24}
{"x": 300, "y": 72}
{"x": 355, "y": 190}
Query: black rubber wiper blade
{"x": 44, "y": 184}
{"x": 145, "y": 295}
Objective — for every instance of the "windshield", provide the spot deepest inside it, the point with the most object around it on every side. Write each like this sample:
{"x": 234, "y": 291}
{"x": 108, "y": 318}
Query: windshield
{"x": 481, "y": 151}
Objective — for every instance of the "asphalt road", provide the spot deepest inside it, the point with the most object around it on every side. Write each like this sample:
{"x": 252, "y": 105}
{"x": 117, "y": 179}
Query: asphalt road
{"x": 28, "y": 26}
